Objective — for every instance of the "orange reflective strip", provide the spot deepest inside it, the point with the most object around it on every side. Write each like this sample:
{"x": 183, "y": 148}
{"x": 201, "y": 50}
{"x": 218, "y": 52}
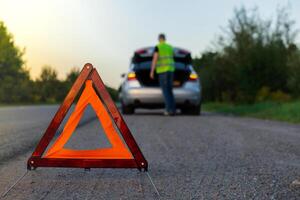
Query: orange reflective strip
{"x": 105, "y": 153}
{"x": 118, "y": 149}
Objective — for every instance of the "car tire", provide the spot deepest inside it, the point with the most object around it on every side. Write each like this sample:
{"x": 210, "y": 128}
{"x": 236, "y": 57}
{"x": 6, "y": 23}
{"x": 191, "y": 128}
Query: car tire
{"x": 191, "y": 110}
{"x": 127, "y": 110}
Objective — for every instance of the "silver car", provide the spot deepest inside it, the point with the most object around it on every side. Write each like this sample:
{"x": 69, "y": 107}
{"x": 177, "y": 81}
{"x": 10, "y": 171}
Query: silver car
{"x": 138, "y": 90}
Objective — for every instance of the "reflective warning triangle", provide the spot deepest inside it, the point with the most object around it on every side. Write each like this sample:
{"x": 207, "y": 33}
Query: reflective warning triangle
{"x": 119, "y": 155}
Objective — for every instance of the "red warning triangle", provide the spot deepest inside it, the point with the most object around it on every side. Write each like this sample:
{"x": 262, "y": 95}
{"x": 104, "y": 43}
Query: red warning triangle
{"x": 120, "y": 155}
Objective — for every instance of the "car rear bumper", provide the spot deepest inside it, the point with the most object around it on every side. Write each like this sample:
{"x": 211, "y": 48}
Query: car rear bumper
{"x": 152, "y": 97}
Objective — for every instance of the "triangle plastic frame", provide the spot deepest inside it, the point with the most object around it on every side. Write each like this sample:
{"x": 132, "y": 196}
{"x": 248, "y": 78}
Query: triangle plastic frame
{"x": 37, "y": 160}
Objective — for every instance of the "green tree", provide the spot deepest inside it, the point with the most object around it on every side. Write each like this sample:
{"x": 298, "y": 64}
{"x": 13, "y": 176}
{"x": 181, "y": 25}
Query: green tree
{"x": 251, "y": 54}
{"x": 48, "y": 87}
{"x": 73, "y": 74}
{"x": 15, "y": 85}
{"x": 294, "y": 73}
{"x": 71, "y": 77}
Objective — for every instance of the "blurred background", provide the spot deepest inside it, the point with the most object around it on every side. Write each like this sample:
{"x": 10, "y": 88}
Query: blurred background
{"x": 246, "y": 53}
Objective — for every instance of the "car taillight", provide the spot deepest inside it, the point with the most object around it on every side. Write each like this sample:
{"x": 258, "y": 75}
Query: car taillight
{"x": 193, "y": 77}
{"x": 131, "y": 76}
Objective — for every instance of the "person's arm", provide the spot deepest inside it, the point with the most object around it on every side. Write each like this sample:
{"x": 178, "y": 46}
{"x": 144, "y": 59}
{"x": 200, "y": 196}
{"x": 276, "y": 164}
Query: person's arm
{"x": 154, "y": 61}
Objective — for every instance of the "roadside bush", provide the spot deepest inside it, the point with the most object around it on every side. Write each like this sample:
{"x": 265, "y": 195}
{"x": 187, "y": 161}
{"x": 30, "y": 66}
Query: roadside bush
{"x": 253, "y": 60}
{"x": 263, "y": 94}
{"x": 279, "y": 96}
{"x": 293, "y": 82}
{"x": 225, "y": 97}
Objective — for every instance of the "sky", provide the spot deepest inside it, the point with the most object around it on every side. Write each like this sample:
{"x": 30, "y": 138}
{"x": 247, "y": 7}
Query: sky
{"x": 70, "y": 33}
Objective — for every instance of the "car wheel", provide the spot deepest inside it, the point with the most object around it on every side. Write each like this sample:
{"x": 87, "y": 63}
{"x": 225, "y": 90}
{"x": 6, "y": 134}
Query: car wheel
{"x": 191, "y": 110}
{"x": 127, "y": 110}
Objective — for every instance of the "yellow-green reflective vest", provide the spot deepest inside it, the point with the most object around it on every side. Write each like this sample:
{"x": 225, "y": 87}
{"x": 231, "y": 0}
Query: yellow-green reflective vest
{"x": 165, "y": 62}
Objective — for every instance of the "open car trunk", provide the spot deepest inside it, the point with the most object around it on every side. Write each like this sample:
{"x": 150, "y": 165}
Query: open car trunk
{"x": 142, "y": 71}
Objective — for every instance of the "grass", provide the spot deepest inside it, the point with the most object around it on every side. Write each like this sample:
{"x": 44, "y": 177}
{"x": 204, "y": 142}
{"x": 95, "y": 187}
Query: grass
{"x": 289, "y": 111}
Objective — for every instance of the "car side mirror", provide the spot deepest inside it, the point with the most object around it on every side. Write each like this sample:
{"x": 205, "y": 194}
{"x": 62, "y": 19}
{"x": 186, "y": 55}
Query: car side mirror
{"x": 123, "y": 75}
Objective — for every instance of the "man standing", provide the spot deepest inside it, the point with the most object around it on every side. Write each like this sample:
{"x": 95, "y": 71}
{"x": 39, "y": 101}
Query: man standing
{"x": 163, "y": 64}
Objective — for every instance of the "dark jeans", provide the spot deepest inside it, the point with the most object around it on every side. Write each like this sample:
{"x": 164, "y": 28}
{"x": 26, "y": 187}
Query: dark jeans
{"x": 166, "y": 84}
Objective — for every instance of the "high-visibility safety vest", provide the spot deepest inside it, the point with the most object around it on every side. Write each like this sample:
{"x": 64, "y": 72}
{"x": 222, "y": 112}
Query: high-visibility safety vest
{"x": 165, "y": 62}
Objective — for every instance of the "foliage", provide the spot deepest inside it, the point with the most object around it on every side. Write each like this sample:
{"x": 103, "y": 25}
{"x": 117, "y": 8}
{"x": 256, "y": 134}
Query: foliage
{"x": 250, "y": 55}
{"x": 14, "y": 80}
{"x": 49, "y": 87}
{"x": 71, "y": 76}
{"x": 113, "y": 93}
{"x": 293, "y": 82}
{"x": 15, "y": 83}
{"x": 264, "y": 94}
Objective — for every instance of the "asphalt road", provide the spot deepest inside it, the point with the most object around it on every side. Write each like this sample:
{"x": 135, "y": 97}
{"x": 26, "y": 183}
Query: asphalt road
{"x": 206, "y": 157}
